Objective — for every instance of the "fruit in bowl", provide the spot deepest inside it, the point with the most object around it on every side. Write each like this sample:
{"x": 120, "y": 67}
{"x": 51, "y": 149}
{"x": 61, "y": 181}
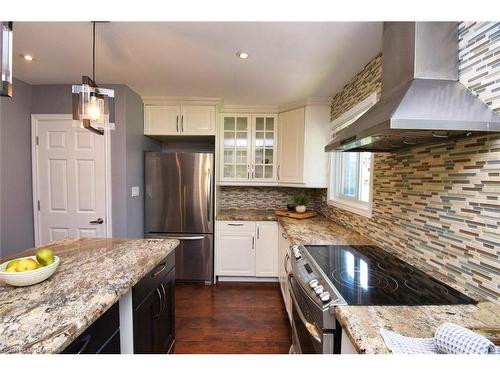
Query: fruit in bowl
{"x": 29, "y": 270}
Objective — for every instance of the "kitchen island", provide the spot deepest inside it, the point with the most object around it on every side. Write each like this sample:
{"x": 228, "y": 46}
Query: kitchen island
{"x": 92, "y": 276}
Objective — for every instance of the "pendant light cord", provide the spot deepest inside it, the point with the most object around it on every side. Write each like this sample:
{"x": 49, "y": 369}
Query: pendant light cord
{"x": 93, "y": 51}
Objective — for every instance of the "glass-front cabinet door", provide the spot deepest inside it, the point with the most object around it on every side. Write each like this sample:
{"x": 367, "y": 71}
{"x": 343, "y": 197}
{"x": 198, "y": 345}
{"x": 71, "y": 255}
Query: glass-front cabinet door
{"x": 248, "y": 148}
{"x": 264, "y": 158}
{"x": 236, "y": 142}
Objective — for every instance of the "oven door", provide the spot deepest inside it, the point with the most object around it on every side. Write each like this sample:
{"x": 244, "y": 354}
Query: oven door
{"x": 307, "y": 337}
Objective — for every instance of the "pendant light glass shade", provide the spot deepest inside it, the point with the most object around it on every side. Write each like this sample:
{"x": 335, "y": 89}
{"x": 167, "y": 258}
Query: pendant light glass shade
{"x": 93, "y": 106}
{"x": 6, "y": 58}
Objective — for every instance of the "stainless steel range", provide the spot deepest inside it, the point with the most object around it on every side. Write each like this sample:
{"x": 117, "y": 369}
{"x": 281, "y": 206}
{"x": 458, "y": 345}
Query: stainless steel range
{"x": 323, "y": 277}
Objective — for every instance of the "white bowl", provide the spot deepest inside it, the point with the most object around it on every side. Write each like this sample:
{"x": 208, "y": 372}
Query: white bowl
{"x": 28, "y": 277}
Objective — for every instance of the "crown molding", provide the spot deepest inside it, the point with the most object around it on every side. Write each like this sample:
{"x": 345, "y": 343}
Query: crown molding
{"x": 235, "y": 108}
{"x": 180, "y": 100}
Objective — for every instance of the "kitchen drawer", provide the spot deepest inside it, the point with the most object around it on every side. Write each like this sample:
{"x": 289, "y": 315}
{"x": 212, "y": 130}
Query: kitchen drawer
{"x": 149, "y": 282}
{"x": 103, "y": 336}
{"x": 236, "y": 226}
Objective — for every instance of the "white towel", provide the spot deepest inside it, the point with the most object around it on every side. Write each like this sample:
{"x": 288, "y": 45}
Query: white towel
{"x": 449, "y": 338}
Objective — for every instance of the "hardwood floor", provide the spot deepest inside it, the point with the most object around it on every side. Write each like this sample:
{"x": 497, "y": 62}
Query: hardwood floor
{"x": 231, "y": 318}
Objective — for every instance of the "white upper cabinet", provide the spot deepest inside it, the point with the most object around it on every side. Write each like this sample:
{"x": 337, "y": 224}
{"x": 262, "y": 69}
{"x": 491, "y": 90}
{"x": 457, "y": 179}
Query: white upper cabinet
{"x": 291, "y": 146}
{"x": 161, "y": 119}
{"x": 303, "y": 134}
{"x": 197, "y": 120}
{"x": 248, "y": 149}
{"x": 179, "y": 119}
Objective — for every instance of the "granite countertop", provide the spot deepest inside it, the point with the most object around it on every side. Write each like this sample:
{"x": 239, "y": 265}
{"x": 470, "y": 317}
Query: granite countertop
{"x": 320, "y": 231}
{"x": 246, "y": 215}
{"x": 92, "y": 276}
{"x": 362, "y": 323}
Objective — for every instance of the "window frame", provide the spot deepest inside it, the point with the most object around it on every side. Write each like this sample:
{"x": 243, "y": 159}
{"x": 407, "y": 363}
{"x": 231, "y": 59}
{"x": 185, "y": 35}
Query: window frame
{"x": 348, "y": 203}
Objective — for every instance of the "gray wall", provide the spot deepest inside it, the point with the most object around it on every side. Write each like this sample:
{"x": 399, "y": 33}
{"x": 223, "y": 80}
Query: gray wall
{"x": 16, "y": 207}
{"x": 136, "y": 144}
{"x": 127, "y": 153}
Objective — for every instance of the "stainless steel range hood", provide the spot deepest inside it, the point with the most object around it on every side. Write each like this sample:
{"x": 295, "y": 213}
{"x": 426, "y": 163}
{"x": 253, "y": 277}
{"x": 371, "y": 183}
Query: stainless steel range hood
{"x": 422, "y": 100}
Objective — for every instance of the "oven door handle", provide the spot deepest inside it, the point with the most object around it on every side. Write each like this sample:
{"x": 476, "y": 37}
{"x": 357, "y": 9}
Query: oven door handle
{"x": 311, "y": 327}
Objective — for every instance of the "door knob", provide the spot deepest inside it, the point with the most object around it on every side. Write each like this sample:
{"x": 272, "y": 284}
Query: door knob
{"x": 98, "y": 221}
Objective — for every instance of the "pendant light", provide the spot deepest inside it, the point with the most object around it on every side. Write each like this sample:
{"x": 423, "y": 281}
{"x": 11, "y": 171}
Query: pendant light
{"x": 93, "y": 106}
{"x": 6, "y": 58}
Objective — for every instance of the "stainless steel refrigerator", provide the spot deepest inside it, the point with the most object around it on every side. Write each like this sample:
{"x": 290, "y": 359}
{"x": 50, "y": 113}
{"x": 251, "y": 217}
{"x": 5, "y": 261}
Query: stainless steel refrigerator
{"x": 179, "y": 203}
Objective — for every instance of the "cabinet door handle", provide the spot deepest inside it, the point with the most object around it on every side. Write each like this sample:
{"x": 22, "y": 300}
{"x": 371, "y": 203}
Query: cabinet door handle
{"x": 284, "y": 235}
{"x": 161, "y": 302}
{"x": 83, "y": 342}
{"x": 177, "y": 123}
{"x": 253, "y": 242}
{"x": 248, "y": 171}
{"x": 279, "y": 171}
{"x": 164, "y": 297}
{"x": 258, "y": 231}
{"x": 182, "y": 123}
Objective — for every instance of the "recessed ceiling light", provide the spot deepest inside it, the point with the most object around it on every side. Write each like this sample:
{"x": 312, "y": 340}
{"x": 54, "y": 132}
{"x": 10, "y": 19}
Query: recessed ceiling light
{"x": 28, "y": 57}
{"x": 242, "y": 55}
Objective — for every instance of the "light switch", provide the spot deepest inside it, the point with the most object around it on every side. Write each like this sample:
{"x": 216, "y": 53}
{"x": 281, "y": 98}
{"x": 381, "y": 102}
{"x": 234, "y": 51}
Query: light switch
{"x": 135, "y": 191}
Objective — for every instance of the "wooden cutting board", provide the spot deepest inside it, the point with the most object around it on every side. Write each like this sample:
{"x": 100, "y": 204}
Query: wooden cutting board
{"x": 295, "y": 215}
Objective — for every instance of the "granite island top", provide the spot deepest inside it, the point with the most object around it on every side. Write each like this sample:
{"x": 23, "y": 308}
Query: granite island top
{"x": 362, "y": 323}
{"x": 93, "y": 274}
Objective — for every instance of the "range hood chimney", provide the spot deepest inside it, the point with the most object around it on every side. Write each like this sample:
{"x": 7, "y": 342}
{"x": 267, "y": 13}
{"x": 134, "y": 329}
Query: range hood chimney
{"x": 422, "y": 100}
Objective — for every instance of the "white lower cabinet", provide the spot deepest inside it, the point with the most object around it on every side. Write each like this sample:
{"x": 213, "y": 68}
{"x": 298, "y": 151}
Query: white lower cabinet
{"x": 266, "y": 256}
{"x": 246, "y": 249}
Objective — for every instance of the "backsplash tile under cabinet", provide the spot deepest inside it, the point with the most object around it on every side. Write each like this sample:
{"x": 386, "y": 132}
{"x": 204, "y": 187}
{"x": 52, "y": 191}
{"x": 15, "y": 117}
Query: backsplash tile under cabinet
{"x": 439, "y": 207}
{"x": 264, "y": 197}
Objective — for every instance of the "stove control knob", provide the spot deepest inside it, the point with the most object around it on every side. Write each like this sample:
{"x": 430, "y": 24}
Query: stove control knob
{"x": 319, "y": 289}
{"x": 297, "y": 255}
{"x": 313, "y": 283}
{"x": 295, "y": 247}
{"x": 325, "y": 297}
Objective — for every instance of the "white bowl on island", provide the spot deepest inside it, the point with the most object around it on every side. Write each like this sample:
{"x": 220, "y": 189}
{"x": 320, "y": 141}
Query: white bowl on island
{"x": 27, "y": 278}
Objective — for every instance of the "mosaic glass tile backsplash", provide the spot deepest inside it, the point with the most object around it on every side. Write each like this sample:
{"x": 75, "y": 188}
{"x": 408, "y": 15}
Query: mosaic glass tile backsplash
{"x": 439, "y": 205}
{"x": 479, "y": 60}
{"x": 264, "y": 198}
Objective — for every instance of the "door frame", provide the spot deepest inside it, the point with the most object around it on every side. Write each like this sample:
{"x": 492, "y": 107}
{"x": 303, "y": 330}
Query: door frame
{"x": 35, "y": 119}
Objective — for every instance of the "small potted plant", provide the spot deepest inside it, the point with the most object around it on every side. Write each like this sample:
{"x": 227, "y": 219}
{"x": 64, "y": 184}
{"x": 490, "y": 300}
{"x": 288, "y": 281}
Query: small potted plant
{"x": 300, "y": 200}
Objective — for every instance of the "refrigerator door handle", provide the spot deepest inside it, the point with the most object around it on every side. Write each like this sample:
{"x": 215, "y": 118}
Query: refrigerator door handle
{"x": 190, "y": 238}
{"x": 209, "y": 196}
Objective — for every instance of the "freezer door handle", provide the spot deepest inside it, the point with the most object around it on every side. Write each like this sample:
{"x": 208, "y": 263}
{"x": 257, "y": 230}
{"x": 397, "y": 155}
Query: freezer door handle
{"x": 209, "y": 196}
{"x": 189, "y": 238}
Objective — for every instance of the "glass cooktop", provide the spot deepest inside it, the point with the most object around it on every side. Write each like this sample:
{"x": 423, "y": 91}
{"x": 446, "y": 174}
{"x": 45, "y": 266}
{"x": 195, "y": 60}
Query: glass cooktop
{"x": 367, "y": 275}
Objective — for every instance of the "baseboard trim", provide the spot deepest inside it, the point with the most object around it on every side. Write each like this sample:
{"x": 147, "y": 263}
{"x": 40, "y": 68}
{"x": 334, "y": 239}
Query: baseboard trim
{"x": 248, "y": 279}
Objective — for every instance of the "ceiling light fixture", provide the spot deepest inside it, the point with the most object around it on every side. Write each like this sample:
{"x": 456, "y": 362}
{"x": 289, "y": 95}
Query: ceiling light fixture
{"x": 6, "y": 58}
{"x": 93, "y": 106}
{"x": 242, "y": 55}
{"x": 28, "y": 57}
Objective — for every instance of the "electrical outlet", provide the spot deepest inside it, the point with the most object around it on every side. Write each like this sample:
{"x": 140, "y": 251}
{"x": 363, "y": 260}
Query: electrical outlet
{"x": 135, "y": 191}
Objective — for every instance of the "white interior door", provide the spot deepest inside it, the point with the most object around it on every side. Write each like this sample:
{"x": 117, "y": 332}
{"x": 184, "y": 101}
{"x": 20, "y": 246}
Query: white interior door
{"x": 70, "y": 181}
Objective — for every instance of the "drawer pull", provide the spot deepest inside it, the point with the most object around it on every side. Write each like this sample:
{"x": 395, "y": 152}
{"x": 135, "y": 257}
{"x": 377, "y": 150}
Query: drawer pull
{"x": 163, "y": 266}
{"x": 236, "y": 224}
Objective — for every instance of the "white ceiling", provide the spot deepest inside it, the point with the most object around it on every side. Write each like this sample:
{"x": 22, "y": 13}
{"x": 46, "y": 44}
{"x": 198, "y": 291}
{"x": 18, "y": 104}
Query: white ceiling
{"x": 289, "y": 61}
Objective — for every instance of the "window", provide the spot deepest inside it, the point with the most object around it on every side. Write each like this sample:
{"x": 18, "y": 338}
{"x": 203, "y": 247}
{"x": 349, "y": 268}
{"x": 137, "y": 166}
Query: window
{"x": 350, "y": 181}
{"x": 350, "y": 178}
